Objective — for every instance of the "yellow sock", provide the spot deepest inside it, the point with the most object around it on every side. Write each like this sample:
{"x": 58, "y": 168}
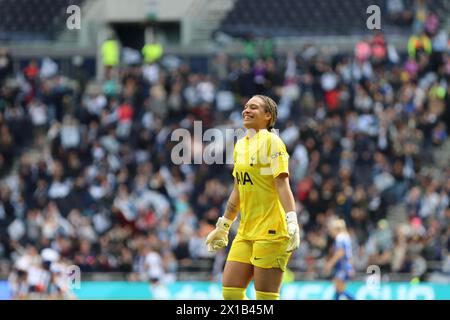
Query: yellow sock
{"x": 261, "y": 295}
{"x": 233, "y": 293}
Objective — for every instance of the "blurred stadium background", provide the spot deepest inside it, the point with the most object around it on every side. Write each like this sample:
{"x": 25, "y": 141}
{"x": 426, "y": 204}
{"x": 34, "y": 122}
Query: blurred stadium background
{"x": 86, "y": 117}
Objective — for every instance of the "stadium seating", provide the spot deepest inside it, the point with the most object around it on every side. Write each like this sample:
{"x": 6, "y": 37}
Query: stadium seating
{"x": 307, "y": 17}
{"x": 32, "y": 19}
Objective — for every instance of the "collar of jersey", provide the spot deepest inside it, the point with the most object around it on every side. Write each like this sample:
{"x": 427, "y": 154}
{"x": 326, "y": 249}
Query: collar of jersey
{"x": 257, "y": 134}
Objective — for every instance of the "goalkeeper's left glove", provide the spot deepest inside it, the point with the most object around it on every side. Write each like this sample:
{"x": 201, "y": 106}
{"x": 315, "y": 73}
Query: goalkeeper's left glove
{"x": 293, "y": 231}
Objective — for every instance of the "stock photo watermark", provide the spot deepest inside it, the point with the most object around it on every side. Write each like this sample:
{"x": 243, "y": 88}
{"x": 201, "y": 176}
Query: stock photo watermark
{"x": 373, "y": 281}
{"x": 374, "y": 290}
{"x": 72, "y": 276}
{"x": 73, "y": 22}
{"x": 216, "y": 146}
{"x": 374, "y": 20}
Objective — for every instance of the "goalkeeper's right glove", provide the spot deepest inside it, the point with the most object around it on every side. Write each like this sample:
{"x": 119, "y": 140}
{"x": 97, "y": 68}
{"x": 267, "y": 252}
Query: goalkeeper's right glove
{"x": 293, "y": 231}
{"x": 218, "y": 238}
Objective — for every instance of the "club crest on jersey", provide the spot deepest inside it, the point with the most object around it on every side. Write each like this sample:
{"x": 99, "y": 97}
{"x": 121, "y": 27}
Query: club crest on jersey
{"x": 243, "y": 178}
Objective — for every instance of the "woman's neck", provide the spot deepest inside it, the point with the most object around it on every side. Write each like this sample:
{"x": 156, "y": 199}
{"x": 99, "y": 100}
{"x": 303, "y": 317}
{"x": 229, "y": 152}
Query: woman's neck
{"x": 251, "y": 132}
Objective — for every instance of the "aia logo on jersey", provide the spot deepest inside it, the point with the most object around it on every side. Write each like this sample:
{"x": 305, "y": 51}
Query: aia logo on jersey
{"x": 243, "y": 177}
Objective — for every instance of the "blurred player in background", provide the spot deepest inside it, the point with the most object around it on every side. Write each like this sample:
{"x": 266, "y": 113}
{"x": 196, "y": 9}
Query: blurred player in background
{"x": 268, "y": 231}
{"x": 339, "y": 265}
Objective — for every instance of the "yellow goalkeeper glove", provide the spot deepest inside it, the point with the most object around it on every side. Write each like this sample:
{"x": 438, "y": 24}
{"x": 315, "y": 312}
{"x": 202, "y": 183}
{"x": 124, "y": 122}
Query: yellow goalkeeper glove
{"x": 218, "y": 238}
{"x": 293, "y": 231}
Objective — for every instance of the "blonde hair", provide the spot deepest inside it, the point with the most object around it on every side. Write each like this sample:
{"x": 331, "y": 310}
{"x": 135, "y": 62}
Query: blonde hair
{"x": 338, "y": 224}
{"x": 271, "y": 107}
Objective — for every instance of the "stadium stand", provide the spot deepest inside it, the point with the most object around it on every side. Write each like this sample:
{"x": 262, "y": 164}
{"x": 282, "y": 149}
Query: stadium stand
{"x": 86, "y": 166}
{"x": 312, "y": 17}
{"x": 22, "y": 20}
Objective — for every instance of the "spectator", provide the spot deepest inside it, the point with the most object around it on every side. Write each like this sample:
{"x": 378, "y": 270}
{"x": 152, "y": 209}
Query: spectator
{"x": 418, "y": 44}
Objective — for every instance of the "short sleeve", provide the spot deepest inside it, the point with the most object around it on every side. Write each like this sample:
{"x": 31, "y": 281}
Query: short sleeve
{"x": 234, "y": 160}
{"x": 340, "y": 242}
{"x": 278, "y": 157}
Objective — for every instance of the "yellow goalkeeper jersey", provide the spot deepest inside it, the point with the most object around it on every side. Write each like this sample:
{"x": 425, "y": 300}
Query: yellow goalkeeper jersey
{"x": 257, "y": 162}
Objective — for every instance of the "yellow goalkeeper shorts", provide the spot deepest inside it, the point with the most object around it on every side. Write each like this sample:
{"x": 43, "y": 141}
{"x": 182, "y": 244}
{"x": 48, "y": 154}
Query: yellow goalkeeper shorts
{"x": 265, "y": 254}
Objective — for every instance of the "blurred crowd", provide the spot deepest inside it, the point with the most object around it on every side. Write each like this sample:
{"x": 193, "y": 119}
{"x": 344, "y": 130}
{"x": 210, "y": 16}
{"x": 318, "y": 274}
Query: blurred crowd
{"x": 93, "y": 180}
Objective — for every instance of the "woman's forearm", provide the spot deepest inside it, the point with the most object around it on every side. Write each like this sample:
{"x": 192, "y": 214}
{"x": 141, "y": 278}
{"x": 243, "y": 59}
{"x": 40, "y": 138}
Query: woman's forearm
{"x": 232, "y": 209}
{"x": 285, "y": 193}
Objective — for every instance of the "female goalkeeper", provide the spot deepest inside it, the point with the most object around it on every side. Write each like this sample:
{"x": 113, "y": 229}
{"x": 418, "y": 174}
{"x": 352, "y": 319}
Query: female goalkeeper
{"x": 268, "y": 231}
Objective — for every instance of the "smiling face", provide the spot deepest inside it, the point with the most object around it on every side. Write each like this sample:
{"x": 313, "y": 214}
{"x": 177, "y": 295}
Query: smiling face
{"x": 255, "y": 115}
